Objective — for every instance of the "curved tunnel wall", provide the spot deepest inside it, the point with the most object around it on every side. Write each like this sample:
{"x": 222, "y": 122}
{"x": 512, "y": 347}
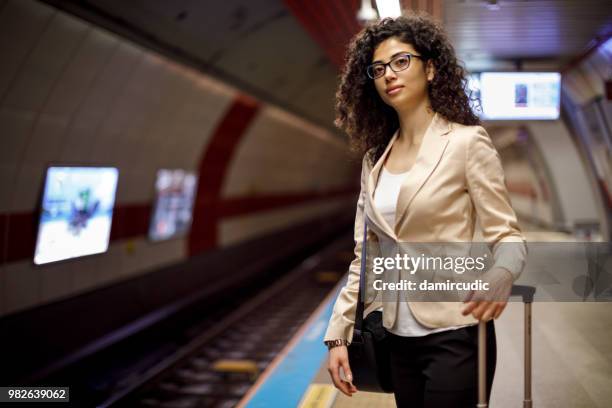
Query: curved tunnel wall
{"x": 546, "y": 178}
{"x": 526, "y": 178}
{"x": 71, "y": 93}
{"x": 568, "y": 174}
{"x": 561, "y": 179}
{"x": 587, "y": 102}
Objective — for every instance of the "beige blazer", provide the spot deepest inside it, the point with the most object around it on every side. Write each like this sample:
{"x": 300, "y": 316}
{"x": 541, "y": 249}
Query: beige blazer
{"x": 457, "y": 179}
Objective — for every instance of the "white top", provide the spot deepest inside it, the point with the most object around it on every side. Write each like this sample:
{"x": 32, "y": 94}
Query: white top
{"x": 385, "y": 200}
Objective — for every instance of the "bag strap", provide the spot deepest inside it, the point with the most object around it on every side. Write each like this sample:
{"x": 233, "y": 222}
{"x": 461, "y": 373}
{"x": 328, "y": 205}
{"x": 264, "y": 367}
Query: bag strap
{"x": 360, "y": 305}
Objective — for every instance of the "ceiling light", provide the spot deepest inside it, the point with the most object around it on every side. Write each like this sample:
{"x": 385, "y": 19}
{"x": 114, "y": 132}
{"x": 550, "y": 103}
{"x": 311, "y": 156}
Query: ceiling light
{"x": 388, "y": 8}
{"x": 366, "y": 13}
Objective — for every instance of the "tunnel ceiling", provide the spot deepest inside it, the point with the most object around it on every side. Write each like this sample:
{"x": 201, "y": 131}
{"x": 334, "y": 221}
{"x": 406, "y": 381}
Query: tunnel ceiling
{"x": 288, "y": 52}
{"x": 551, "y": 31}
{"x": 257, "y": 46}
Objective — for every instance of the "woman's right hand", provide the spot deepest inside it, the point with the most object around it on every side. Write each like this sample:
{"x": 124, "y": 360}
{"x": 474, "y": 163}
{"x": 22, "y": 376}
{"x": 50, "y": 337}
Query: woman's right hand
{"x": 338, "y": 357}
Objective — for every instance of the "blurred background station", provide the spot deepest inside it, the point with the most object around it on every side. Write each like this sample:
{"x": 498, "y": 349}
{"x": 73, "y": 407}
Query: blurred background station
{"x": 177, "y": 207}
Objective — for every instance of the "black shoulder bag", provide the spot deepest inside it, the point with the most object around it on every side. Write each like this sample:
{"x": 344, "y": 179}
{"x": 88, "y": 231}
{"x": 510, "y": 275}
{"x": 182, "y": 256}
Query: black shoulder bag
{"x": 369, "y": 356}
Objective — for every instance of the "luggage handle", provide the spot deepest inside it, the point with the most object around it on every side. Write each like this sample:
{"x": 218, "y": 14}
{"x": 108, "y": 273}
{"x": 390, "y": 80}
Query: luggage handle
{"x": 527, "y": 293}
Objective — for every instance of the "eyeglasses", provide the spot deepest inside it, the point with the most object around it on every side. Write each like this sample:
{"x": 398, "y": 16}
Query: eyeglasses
{"x": 397, "y": 64}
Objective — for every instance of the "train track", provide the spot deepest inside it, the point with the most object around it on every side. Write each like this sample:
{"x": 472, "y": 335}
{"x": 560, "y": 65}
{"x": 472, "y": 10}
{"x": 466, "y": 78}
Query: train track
{"x": 220, "y": 365}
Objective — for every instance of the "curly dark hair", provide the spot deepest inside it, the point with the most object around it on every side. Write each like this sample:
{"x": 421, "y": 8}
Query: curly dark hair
{"x": 362, "y": 114}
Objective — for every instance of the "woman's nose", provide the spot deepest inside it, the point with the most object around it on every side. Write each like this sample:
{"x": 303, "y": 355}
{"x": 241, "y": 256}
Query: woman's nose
{"x": 389, "y": 74}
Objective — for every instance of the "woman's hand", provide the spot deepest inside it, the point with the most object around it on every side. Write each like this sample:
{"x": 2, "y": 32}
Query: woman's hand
{"x": 489, "y": 304}
{"x": 338, "y": 357}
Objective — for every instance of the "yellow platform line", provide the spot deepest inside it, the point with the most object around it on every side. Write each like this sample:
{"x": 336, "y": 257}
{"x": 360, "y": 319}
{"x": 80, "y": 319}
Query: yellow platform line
{"x": 319, "y": 396}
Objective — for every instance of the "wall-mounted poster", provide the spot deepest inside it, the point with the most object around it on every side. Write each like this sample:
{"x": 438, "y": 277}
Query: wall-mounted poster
{"x": 76, "y": 212}
{"x": 174, "y": 204}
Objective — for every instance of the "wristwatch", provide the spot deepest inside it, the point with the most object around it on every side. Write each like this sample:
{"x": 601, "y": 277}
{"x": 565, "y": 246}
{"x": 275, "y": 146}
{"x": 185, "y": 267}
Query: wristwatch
{"x": 335, "y": 343}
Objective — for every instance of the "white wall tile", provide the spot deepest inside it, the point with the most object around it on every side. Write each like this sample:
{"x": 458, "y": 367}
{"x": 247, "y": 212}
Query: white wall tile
{"x": 22, "y": 286}
{"x": 56, "y": 280}
{"x": 85, "y": 273}
{"x": 17, "y": 126}
{"x": 124, "y": 194}
{"x": 144, "y": 185}
{"x": 237, "y": 229}
{"x": 28, "y": 187}
{"x": 288, "y": 158}
{"x": 133, "y": 258}
{"x": 108, "y": 86}
{"x": 78, "y": 77}
{"x": 8, "y": 177}
{"x": 77, "y": 145}
{"x": 21, "y": 24}
{"x": 110, "y": 268}
{"x": 45, "y": 143}
{"x": 46, "y": 63}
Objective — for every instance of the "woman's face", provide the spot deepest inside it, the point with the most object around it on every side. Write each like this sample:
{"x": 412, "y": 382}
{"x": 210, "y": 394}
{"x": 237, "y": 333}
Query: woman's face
{"x": 410, "y": 84}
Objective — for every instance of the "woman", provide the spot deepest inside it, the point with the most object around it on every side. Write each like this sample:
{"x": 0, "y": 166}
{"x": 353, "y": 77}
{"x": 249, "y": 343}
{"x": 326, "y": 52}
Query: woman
{"x": 429, "y": 171}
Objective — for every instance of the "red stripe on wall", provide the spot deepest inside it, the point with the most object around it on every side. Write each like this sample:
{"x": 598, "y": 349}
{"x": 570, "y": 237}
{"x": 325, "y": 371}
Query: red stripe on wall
{"x": 212, "y": 170}
{"x": 19, "y": 236}
{"x": 130, "y": 220}
{"x": 3, "y": 237}
{"x": 18, "y": 230}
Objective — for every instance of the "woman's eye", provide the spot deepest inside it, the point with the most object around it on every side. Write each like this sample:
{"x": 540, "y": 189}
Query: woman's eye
{"x": 378, "y": 70}
{"x": 401, "y": 62}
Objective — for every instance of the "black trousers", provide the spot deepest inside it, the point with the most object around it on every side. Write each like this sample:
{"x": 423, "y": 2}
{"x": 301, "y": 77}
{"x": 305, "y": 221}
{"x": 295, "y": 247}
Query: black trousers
{"x": 440, "y": 370}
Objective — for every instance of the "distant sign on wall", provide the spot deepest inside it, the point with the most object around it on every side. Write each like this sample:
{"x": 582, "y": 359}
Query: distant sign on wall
{"x": 76, "y": 212}
{"x": 175, "y": 193}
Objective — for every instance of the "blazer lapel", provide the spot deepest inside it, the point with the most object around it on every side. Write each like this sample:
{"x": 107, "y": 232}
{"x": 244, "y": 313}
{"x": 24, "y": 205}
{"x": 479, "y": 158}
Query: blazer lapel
{"x": 375, "y": 215}
{"x": 429, "y": 155}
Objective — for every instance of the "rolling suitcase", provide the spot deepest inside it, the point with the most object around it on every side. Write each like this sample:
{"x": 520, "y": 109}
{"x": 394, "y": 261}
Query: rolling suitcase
{"x": 526, "y": 292}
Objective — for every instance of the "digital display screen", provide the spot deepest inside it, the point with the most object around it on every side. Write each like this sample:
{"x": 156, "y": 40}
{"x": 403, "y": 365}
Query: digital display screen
{"x": 76, "y": 214}
{"x": 519, "y": 95}
{"x": 174, "y": 204}
{"x": 473, "y": 93}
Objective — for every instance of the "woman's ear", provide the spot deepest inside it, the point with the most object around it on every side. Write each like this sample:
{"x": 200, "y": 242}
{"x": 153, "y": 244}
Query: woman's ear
{"x": 431, "y": 70}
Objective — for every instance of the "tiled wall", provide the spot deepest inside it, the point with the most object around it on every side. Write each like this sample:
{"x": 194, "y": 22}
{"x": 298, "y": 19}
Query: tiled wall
{"x": 73, "y": 93}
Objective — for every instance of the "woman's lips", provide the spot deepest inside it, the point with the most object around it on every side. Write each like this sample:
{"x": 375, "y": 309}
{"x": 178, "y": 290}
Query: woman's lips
{"x": 394, "y": 91}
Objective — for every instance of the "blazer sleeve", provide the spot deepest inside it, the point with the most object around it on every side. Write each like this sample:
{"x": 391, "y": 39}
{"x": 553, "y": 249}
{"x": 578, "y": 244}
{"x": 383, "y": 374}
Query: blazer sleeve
{"x": 343, "y": 315}
{"x": 487, "y": 189}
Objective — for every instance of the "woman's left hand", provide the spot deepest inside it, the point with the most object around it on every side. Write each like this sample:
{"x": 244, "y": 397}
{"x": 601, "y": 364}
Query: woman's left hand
{"x": 489, "y": 304}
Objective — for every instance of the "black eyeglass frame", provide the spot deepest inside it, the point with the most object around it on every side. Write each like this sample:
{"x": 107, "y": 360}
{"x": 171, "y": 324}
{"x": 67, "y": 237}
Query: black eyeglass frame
{"x": 389, "y": 64}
